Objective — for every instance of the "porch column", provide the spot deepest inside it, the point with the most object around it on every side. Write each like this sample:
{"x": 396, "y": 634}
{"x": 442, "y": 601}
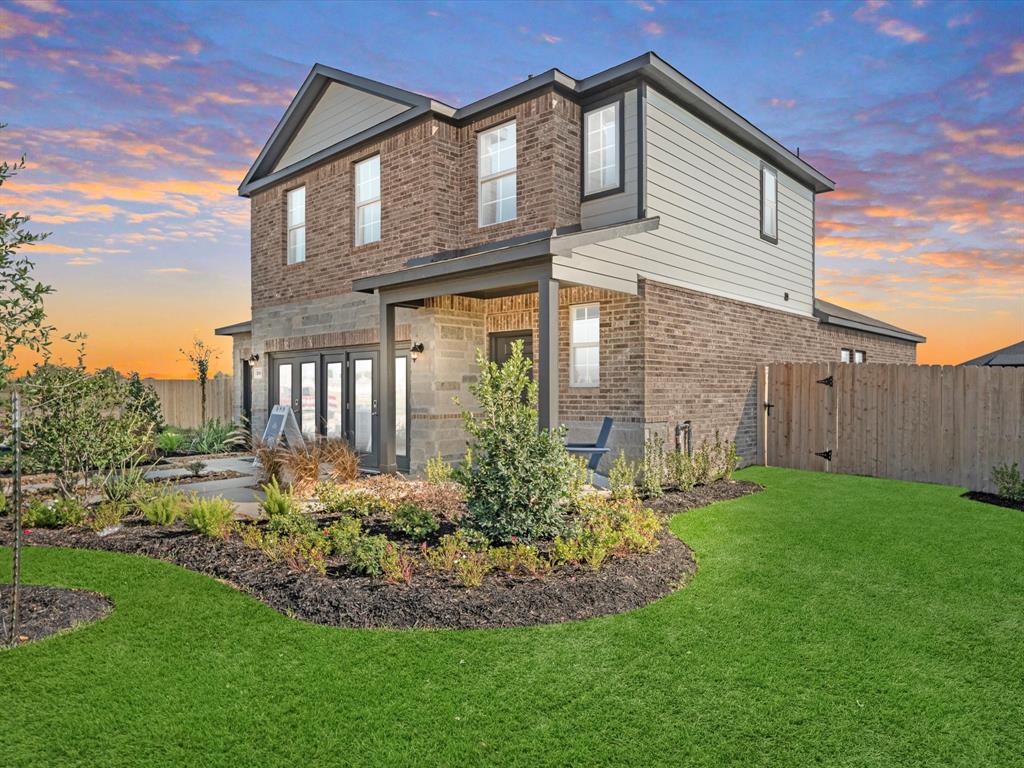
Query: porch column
{"x": 386, "y": 395}
{"x": 547, "y": 375}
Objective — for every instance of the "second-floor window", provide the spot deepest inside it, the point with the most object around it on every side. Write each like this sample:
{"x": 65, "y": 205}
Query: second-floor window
{"x": 296, "y": 225}
{"x": 368, "y": 201}
{"x": 601, "y": 149}
{"x": 769, "y": 204}
{"x": 496, "y": 168}
{"x": 585, "y": 345}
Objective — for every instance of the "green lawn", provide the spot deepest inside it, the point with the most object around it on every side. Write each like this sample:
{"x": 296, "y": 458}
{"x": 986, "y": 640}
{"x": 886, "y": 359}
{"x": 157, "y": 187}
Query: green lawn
{"x": 835, "y": 621}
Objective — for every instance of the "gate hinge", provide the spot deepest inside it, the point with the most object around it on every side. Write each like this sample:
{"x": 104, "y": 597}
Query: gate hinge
{"x": 827, "y": 381}
{"x": 768, "y": 407}
{"x": 826, "y": 455}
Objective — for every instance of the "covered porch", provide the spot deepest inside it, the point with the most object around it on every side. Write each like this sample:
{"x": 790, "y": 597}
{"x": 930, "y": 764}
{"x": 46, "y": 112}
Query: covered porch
{"x": 542, "y": 265}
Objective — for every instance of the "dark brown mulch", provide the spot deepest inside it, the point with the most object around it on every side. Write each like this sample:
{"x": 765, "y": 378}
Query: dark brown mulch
{"x": 674, "y": 502}
{"x": 991, "y": 498}
{"x": 433, "y": 600}
{"x": 227, "y": 474}
{"x": 48, "y": 610}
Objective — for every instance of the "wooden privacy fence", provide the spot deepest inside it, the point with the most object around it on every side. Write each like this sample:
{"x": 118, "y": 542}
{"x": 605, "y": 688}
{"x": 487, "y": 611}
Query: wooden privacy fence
{"x": 181, "y": 401}
{"x": 932, "y": 423}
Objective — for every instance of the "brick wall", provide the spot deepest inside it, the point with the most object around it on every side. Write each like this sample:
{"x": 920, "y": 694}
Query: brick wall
{"x": 702, "y": 350}
{"x": 428, "y": 200}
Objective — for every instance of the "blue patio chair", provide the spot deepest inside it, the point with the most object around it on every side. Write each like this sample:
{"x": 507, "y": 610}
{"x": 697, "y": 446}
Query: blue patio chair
{"x": 598, "y": 448}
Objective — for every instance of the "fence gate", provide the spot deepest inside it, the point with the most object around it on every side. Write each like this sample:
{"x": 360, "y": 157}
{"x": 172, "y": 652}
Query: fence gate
{"x": 799, "y": 415}
{"x": 931, "y": 423}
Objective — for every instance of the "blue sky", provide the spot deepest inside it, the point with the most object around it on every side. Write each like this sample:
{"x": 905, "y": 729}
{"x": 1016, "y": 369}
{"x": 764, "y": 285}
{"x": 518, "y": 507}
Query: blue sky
{"x": 139, "y": 120}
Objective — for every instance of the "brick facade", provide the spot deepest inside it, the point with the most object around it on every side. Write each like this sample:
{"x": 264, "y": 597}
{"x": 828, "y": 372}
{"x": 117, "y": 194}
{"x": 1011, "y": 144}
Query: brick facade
{"x": 428, "y": 200}
{"x": 701, "y": 352}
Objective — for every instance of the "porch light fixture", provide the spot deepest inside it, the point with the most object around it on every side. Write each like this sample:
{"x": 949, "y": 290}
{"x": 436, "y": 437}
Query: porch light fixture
{"x": 254, "y": 357}
{"x": 415, "y": 349}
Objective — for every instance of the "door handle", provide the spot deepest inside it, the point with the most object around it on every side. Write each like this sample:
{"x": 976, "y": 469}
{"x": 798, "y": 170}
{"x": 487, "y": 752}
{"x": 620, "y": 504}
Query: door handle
{"x": 373, "y": 408}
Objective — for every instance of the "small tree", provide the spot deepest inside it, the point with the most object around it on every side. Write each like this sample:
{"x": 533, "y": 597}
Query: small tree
{"x": 199, "y": 355}
{"x": 520, "y": 479}
{"x": 22, "y": 326}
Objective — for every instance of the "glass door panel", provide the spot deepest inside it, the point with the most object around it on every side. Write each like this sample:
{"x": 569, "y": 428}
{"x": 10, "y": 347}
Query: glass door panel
{"x": 334, "y": 399}
{"x": 401, "y": 408}
{"x": 363, "y": 405}
{"x": 307, "y": 418}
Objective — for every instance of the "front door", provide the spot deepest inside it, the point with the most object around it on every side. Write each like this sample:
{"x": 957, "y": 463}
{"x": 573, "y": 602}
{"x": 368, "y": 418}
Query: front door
{"x": 295, "y": 380}
{"x": 362, "y": 406}
{"x": 501, "y": 345}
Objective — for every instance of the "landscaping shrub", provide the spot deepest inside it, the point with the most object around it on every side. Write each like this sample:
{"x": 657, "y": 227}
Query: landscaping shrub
{"x": 471, "y": 568}
{"x": 343, "y": 535}
{"x": 163, "y": 508}
{"x": 146, "y": 399}
{"x": 702, "y": 468}
{"x": 606, "y": 528}
{"x": 1009, "y": 481}
{"x": 170, "y": 441}
{"x": 303, "y": 553}
{"x": 518, "y": 479}
{"x": 680, "y": 470}
{"x": 396, "y": 566}
{"x": 78, "y": 424}
{"x": 366, "y": 554}
{"x": 452, "y": 548}
{"x": 731, "y": 460}
{"x": 269, "y": 462}
{"x": 439, "y": 471}
{"x": 195, "y": 468}
{"x": 342, "y": 461}
{"x": 339, "y": 500}
{"x": 108, "y": 514}
{"x": 3, "y": 505}
{"x": 519, "y": 559}
{"x": 211, "y": 517}
{"x": 60, "y": 513}
{"x": 447, "y": 501}
{"x": 277, "y": 502}
{"x": 214, "y": 436}
{"x": 413, "y": 521}
{"x": 123, "y": 485}
{"x": 622, "y": 478}
{"x": 302, "y": 468}
{"x": 652, "y": 469}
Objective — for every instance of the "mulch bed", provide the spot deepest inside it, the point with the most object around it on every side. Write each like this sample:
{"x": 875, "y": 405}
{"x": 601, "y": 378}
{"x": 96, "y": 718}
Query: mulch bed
{"x": 433, "y": 600}
{"x": 46, "y": 611}
{"x": 227, "y": 474}
{"x": 991, "y": 498}
{"x": 674, "y": 502}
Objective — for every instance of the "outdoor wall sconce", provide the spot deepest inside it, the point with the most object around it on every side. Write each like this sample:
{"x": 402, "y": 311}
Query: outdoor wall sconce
{"x": 254, "y": 357}
{"x": 415, "y": 349}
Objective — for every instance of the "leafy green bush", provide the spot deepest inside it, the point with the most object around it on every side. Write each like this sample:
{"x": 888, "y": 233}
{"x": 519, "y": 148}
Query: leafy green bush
{"x": 277, "y": 502}
{"x": 413, "y": 521}
{"x": 1009, "y": 481}
{"x": 519, "y": 559}
{"x": 4, "y": 509}
{"x": 303, "y": 553}
{"x": 702, "y": 464}
{"x": 171, "y": 441}
{"x": 439, "y": 471}
{"x": 622, "y": 478}
{"x": 61, "y": 513}
{"x": 163, "y": 508}
{"x": 195, "y": 468}
{"x": 343, "y": 535}
{"x": 652, "y": 469}
{"x": 471, "y": 568}
{"x": 79, "y": 424}
{"x": 367, "y": 553}
{"x": 518, "y": 479}
{"x": 108, "y": 514}
{"x": 680, "y": 470}
{"x": 338, "y": 500}
{"x": 396, "y": 566}
{"x": 147, "y": 400}
{"x": 211, "y": 517}
{"x": 606, "y": 528}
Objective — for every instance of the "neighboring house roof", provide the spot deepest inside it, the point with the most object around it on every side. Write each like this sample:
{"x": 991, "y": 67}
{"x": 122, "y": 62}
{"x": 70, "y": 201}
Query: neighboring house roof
{"x": 235, "y": 329}
{"x": 1011, "y": 356}
{"x": 409, "y": 106}
{"x": 833, "y": 314}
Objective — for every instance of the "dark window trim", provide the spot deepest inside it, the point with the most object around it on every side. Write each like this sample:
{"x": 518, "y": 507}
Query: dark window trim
{"x": 619, "y": 99}
{"x": 760, "y": 213}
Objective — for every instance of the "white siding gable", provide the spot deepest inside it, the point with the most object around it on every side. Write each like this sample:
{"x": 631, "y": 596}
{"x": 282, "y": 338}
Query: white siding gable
{"x": 342, "y": 111}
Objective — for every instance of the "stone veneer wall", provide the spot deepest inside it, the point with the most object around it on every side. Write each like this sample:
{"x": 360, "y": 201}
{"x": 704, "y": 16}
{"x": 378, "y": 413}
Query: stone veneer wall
{"x": 701, "y": 352}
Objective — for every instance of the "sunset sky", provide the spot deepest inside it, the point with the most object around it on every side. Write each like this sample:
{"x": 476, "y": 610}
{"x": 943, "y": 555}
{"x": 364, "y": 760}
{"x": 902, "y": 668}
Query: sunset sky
{"x": 139, "y": 121}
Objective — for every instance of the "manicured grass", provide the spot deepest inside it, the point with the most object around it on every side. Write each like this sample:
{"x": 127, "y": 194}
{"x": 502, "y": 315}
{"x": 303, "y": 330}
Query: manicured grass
{"x": 835, "y": 621}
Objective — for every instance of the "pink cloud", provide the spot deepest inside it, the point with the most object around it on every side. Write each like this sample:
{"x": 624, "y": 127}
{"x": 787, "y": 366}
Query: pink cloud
{"x": 548, "y": 38}
{"x": 43, "y": 6}
{"x": 905, "y": 32}
{"x": 16, "y": 25}
{"x": 1015, "y": 65}
{"x": 823, "y": 17}
{"x": 653, "y": 28}
{"x": 782, "y": 103}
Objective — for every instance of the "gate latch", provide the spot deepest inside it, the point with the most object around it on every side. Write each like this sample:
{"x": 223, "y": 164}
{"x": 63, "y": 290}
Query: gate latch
{"x": 768, "y": 407}
{"x": 826, "y": 455}
{"x": 827, "y": 381}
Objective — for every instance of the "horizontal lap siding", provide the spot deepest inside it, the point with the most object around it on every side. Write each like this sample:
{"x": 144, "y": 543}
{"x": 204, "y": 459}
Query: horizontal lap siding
{"x": 706, "y": 190}
{"x": 340, "y": 113}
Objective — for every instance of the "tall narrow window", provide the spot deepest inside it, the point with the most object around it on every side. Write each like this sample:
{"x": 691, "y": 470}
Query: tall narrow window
{"x": 601, "y": 149}
{"x": 297, "y": 225}
{"x": 585, "y": 345}
{"x": 769, "y": 204}
{"x": 368, "y": 201}
{"x": 496, "y": 168}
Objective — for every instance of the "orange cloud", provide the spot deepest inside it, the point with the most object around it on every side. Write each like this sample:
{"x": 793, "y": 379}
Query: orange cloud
{"x": 1004, "y": 148}
{"x": 1015, "y": 64}
{"x": 905, "y": 32}
{"x": 783, "y": 103}
{"x": 43, "y": 6}
{"x": 15, "y": 25}
{"x": 854, "y": 247}
{"x": 83, "y": 261}
{"x": 6, "y": 85}
{"x": 961, "y": 135}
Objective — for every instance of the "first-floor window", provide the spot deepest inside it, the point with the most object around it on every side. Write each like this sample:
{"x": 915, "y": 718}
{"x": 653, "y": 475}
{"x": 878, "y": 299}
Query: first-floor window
{"x": 585, "y": 345}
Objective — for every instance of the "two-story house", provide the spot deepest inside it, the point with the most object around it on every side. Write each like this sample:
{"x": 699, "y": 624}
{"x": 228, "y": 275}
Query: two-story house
{"x": 648, "y": 245}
